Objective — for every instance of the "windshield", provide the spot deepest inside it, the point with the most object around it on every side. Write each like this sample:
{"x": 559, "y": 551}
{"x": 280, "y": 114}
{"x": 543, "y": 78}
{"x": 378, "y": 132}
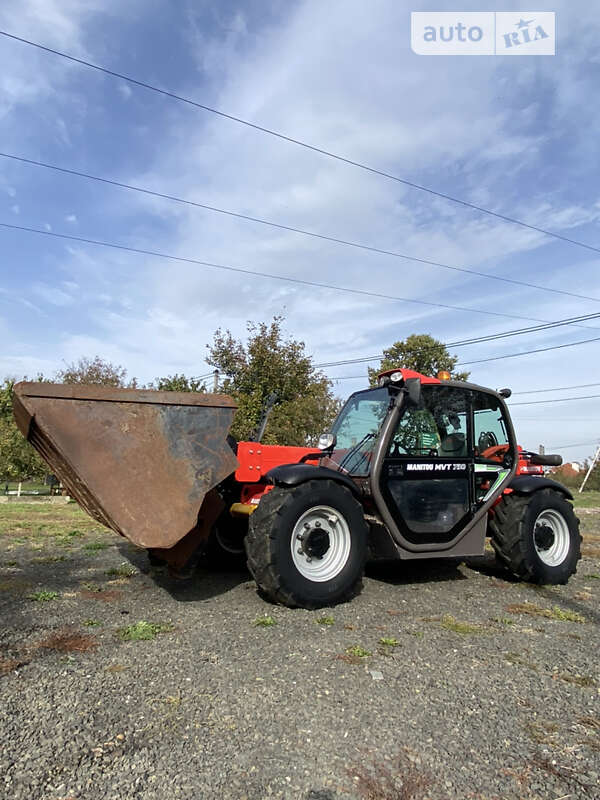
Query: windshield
{"x": 357, "y": 427}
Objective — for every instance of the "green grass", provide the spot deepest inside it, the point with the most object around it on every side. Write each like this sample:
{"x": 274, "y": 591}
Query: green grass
{"x": 566, "y": 616}
{"x": 264, "y": 622}
{"x": 389, "y": 641}
{"x": 44, "y": 523}
{"x": 91, "y": 623}
{"x": 48, "y": 559}
{"x": 555, "y": 612}
{"x": 586, "y": 499}
{"x": 43, "y": 596}
{"x": 26, "y": 487}
{"x": 73, "y": 534}
{"x": 94, "y": 547}
{"x": 518, "y": 660}
{"x": 358, "y": 652}
{"x": 456, "y": 626}
{"x": 125, "y": 570}
{"x": 143, "y": 631}
{"x": 91, "y": 587}
{"x": 325, "y": 621}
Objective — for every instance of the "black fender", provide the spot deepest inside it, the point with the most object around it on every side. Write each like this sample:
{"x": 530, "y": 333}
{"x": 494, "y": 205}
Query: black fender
{"x": 528, "y": 484}
{"x": 294, "y": 474}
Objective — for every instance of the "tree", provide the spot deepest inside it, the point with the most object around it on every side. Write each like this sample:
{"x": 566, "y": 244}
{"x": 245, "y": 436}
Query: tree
{"x": 95, "y": 371}
{"x": 18, "y": 459}
{"x": 573, "y": 479}
{"x": 178, "y": 383}
{"x": 268, "y": 364}
{"x": 593, "y": 482}
{"x": 420, "y": 352}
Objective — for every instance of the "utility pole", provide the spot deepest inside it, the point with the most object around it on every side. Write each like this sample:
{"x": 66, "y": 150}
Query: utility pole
{"x": 589, "y": 472}
{"x": 216, "y": 381}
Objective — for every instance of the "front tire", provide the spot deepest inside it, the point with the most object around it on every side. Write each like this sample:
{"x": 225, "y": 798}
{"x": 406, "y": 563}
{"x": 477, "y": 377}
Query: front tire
{"x": 537, "y": 536}
{"x": 307, "y": 545}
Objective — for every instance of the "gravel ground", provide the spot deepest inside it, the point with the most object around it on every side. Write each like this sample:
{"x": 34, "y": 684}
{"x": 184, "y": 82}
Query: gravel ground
{"x": 439, "y": 681}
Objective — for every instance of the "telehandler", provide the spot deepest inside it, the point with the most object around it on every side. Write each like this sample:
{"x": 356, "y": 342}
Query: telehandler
{"x": 416, "y": 467}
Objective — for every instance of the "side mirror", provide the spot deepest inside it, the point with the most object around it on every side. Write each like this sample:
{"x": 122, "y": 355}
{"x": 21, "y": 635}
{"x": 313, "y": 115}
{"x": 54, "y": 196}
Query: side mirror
{"x": 327, "y": 441}
{"x": 413, "y": 391}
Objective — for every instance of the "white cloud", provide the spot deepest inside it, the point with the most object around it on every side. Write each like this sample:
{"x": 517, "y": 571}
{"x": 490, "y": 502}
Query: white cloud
{"x": 124, "y": 90}
{"x": 29, "y": 76}
{"x": 342, "y": 77}
{"x": 52, "y": 295}
{"x": 26, "y": 365}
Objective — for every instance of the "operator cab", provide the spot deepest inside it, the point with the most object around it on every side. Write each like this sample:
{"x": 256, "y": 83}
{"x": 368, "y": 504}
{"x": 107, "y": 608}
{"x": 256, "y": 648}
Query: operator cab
{"x": 435, "y": 456}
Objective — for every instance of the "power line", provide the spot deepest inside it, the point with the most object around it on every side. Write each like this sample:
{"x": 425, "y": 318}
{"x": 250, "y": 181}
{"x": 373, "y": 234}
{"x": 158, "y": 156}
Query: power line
{"x": 529, "y": 352}
{"x": 257, "y": 273}
{"x": 558, "y": 388}
{"x": 559, "y": 400}
{"x": 475, "y": 340}
{"x": 299, "y": 142}
{"x": 569, "y": 446}
{"x": 546, "y": 420}
{"x": 290, "y": 228}
{"x": 498, "y": 358}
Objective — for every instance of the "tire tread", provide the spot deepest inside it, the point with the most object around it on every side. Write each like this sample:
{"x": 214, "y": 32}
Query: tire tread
{"x": 508, "y": 535}
{"x": 261, "y": 551}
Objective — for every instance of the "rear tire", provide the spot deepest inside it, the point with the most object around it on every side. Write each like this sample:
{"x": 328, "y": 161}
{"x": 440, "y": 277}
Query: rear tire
{"x": 307, "y": 545}
{"x": 537, "y": 537}
{"x": 225, "y": 546}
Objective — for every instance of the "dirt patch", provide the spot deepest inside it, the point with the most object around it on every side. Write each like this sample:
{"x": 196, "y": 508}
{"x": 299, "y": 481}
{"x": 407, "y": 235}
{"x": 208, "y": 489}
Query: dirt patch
{"x": 399, "y": 779}
{"x": 68, "y": 641}
{"x": 8, "y": 665}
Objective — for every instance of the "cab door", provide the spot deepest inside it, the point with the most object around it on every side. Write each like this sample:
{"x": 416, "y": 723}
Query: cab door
{"x": 494, "y": 449}
{"x": 426, "y": 478}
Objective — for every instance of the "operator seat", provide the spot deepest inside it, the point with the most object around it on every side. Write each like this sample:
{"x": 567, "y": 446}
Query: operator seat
{"x": 454, "y": 446}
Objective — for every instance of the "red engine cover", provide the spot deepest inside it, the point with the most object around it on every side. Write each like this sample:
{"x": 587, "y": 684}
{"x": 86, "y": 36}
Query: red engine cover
{"x": 257, "y": 459}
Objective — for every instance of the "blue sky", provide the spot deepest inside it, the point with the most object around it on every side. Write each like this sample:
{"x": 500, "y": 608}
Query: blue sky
{"x": 519, "y": 135}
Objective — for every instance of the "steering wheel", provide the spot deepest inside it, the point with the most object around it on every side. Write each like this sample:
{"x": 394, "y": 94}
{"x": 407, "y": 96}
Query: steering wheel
{"x": 496, "y": 453}
{"x": 486, "y": 440}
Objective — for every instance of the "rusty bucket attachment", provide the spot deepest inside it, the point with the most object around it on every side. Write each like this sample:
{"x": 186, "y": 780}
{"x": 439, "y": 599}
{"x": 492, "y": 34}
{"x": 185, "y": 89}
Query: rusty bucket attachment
{"x": 139, "y": 461}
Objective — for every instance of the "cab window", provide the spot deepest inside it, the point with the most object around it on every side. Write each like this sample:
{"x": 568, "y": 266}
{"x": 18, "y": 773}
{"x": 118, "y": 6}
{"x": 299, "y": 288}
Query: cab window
{"x": 490, "y": 429}
{"x": 436, "y": 428}
{"x": 356, "y": 430}
{"x": 361, "y": 417}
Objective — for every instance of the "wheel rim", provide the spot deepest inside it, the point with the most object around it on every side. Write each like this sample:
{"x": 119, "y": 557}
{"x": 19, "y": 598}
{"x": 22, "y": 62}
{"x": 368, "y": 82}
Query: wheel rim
{"x": 551, "y": 537}
{"x": 320, "y": 544}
